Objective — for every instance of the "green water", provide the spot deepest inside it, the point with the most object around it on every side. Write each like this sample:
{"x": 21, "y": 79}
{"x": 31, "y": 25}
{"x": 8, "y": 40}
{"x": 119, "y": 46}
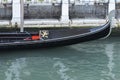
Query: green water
{"x": 96, "y": 60}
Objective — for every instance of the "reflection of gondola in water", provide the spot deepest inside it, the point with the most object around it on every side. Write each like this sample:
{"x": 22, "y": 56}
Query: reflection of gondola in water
{"x": 52, "y": 37}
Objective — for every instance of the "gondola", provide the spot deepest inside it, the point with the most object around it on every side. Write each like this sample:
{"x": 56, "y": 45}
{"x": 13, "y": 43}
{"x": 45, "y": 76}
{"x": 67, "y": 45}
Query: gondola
{"x": 52, "y": 37}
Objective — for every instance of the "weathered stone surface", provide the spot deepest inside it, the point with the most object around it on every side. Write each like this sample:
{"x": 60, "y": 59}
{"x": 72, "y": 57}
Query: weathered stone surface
{"x": 6, "y": 12}
{"x": 42, "y": 12}
{"x": 118, "y": 10}
{"x": 89, "y": 11}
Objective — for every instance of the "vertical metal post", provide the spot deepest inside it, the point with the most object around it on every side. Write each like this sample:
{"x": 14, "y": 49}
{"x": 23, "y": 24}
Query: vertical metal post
{"x": 21, "y": 15}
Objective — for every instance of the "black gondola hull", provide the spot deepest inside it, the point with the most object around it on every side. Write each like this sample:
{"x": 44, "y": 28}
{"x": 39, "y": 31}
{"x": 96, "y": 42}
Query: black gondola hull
{"x": 62, "y": 41}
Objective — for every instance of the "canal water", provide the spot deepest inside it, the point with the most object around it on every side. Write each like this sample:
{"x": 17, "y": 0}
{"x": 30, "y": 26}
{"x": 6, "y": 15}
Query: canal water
{"x": 95, "y": 60}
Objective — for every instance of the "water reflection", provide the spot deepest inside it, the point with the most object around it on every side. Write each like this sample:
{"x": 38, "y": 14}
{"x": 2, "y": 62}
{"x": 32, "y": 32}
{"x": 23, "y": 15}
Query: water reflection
{"x": 62, "y": 69}
{"x": 13, "y": 71}
{"x": 86, "y": 61}
{"x": 67, "y": 63}
{"x": 109, "y": 51}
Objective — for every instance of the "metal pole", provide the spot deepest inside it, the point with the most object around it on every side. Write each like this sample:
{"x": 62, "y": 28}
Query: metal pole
{"x": 21, "y": 15}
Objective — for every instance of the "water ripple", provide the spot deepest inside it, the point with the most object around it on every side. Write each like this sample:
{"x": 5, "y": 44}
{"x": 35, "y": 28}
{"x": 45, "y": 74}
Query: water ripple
{"x": 109, "y": 52}
{"x": 62, "y": 72}
{"x": 13, "y": 72}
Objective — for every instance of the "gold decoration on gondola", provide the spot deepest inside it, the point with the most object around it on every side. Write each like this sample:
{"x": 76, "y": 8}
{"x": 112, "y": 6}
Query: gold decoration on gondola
{"x": 44, "y": 33}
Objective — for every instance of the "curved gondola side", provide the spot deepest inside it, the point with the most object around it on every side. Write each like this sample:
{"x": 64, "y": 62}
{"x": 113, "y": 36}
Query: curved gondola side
{"x": 101, "y": 32}
{"x": 92, "y": 34}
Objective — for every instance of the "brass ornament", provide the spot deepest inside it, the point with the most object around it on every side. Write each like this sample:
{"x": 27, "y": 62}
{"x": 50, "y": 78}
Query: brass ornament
{"x": 44, "y": 33}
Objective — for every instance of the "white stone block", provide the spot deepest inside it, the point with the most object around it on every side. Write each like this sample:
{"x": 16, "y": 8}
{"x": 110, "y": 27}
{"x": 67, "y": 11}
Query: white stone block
{"x": 59, "y": 1}
{"x": 65, "y": 11}
{"x": 72, "y": 1}
{"x": 18, "y": 13}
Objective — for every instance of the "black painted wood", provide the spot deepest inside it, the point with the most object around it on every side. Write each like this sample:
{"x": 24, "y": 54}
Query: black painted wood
{"x": 55, "y": 37}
